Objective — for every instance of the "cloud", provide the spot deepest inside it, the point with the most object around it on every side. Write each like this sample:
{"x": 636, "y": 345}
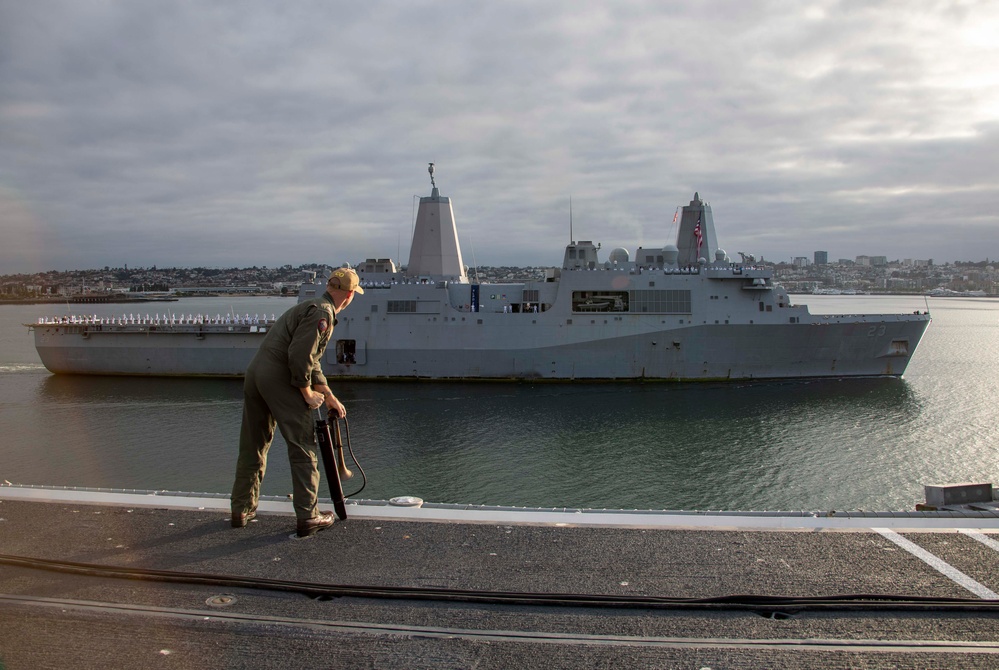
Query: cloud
{"x": 253, "y": 134}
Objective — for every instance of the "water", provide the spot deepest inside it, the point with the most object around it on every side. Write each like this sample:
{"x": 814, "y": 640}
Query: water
{"x": 821, "y": 445}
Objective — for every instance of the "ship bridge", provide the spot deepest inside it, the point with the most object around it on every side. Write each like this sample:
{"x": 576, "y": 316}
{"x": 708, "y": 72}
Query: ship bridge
{"x": 581, "y": 255}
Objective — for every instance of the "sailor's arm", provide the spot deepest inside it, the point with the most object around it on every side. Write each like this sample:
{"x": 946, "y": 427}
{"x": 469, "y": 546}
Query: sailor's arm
{"x": 303, "y": 358}
{"x": 332, "y": 403}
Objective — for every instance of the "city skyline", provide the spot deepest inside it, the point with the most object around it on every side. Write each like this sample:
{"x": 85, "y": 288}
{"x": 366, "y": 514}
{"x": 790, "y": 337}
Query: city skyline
{"x": 134, "y": 270}
{"x": 234, "y": 135}
{"x": 812, "y": 258}
{"x": 799, "y": 276}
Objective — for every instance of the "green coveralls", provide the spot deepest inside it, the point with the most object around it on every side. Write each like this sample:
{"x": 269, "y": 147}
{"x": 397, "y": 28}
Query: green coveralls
{"x": 288, "y": 360}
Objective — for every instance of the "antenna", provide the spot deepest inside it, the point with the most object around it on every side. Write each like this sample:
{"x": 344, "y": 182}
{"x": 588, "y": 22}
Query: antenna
{"x": 571, "y": 241}
{"x": 475, "y": 265}
{"x": 431, "y": 171}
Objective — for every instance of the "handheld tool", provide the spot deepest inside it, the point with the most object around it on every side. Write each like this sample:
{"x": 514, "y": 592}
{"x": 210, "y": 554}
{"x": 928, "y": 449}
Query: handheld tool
{"x": 330, "y": 462}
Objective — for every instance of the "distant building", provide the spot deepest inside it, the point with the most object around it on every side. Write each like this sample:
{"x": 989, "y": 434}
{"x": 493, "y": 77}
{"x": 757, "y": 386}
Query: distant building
{"x": 821, "y": 257}
{"x": 800, "y": 261}
{"x": 872, "y": 261}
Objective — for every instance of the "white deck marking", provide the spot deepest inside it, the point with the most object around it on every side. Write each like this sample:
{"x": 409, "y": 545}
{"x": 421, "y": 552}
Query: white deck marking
{"x": 938, "y": 564}
{"x": 982, "y": 537}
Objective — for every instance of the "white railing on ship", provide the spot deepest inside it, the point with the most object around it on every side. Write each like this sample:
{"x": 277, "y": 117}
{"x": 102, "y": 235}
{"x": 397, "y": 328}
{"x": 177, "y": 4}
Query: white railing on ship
{"x": 157, "y": 320}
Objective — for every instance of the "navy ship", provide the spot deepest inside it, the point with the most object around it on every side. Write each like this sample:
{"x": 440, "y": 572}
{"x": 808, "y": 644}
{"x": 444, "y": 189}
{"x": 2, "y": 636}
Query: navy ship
{"x": 683, "y": 312}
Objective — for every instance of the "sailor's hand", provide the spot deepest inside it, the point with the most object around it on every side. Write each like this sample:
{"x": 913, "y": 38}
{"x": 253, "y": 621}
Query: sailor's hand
{"x": 335, "y": 406}
{"x": 312, "y": 399}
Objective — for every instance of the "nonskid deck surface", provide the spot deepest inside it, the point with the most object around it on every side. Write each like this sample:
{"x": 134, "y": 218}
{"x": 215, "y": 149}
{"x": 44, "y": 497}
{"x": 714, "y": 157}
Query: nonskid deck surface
{"x": 687, "y": 589}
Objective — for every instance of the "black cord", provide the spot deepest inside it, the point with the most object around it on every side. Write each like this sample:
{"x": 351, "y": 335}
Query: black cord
{"x": 769, "y": 605}
{"x": 350, "y": 450}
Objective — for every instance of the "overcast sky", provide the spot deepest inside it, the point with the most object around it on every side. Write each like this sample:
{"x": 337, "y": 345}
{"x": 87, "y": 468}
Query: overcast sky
{"x": 240, "y": 133}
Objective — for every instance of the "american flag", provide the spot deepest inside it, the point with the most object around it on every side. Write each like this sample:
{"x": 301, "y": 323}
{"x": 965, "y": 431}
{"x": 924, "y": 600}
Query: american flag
{"x": 697, "y": 234}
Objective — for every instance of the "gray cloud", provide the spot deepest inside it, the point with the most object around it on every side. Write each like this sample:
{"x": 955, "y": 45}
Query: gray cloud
{"x": 256, "y": 134}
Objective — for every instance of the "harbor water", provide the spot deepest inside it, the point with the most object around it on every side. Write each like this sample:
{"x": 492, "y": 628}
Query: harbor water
{"x": 805, "y": 445}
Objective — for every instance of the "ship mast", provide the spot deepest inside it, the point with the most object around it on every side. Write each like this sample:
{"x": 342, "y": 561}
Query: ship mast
{"x": 435, "y": 251}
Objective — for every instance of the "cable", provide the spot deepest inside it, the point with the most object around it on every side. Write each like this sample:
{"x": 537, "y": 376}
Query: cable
{"x": 350, "y": 450}
{"x": 769, "y": 605}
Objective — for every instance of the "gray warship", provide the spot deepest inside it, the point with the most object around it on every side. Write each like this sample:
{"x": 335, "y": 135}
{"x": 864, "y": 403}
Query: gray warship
{"x": 683, "y": 312}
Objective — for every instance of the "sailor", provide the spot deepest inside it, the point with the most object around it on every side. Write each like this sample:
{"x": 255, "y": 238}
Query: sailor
{"x": 284, "y": 383}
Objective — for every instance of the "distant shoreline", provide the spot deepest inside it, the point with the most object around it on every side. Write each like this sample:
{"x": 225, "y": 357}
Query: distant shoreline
{"x": 65, "y": 301}
{"x": 127, "y": 301}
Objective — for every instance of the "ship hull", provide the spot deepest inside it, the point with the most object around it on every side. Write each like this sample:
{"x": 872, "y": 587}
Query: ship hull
{"x": 695, "y": 353}
{"x": 164, "y": 353}
{"x": 494, "y": 350}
